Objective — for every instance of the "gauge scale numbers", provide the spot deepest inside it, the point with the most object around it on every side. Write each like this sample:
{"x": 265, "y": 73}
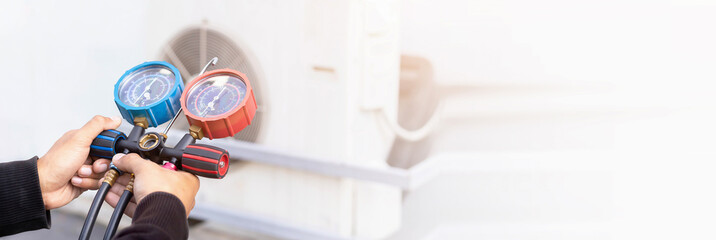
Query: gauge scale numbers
{"x": 215, "y": 95}
{"x": 146, "y": 86}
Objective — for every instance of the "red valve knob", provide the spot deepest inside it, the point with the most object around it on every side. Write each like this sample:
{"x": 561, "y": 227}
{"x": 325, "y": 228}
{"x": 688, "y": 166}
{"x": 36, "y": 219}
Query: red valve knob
{"x": 206, "y": 161}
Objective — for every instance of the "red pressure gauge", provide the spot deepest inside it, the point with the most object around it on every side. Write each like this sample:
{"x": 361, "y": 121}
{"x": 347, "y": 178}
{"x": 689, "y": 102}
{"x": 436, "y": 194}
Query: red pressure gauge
{"x": 220, "y": 102}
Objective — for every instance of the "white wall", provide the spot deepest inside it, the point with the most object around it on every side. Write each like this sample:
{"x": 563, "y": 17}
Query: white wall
{"x": 588, "y": 119}
{"x": 48, "y": 89}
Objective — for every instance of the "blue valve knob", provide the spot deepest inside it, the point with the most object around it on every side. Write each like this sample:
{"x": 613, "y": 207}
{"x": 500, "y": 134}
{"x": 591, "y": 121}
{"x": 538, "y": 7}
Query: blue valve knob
{"x": 105, "y": 144}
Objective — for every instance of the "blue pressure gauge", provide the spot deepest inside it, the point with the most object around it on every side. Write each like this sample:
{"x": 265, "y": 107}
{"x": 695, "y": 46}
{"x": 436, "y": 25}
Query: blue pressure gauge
{"x": 151, "y": 90}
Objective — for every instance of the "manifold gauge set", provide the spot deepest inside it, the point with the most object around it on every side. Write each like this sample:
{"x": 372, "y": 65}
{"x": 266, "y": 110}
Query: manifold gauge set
{"x": 217, "y": 104}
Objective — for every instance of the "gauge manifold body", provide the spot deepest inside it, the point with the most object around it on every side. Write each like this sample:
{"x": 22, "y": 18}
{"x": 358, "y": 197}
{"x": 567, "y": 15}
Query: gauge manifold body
{"x": 221, "y": 102}
{"x": 151, "y": 90}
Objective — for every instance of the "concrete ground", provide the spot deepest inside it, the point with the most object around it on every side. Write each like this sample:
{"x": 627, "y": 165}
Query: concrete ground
{"x": 64, "y": 226}
{"x": 67, "y": 226}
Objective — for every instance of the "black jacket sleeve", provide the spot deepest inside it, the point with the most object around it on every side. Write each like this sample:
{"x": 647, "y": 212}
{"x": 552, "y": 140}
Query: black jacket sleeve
{"x": 159, "y": 215}
{"x": 21, "y": 205}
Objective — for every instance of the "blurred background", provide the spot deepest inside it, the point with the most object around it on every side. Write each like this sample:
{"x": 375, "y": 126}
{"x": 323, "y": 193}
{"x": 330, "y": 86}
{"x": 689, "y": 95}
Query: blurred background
{"x": 402, "y": 119}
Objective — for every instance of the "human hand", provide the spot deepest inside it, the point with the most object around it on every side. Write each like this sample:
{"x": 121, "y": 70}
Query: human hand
{"x": 66, "y": 170}
{"x": 149, "y": 178}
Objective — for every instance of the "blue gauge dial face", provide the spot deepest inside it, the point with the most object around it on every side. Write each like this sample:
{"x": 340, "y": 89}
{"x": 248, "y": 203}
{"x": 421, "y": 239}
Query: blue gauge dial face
{"x": 146, "y": 86}
{"x": 215, "y": 95}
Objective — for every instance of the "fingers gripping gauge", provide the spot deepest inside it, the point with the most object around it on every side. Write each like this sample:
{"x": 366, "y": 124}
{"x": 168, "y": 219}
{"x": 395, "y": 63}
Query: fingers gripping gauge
{"x": 220, "y": 102}
{"x": 149, "y": 95}
{"x": 150, "y": 90}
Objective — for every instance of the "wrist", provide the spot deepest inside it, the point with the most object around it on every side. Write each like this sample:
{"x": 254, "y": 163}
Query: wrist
{"x": 42, "y": 175}
{"x": 40, "y": 179}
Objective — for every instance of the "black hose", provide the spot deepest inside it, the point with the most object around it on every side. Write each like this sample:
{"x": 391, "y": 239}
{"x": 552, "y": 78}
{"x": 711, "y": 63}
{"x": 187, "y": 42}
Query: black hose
{"x": 94, "y": 211}
{"x": 117, "y": 214}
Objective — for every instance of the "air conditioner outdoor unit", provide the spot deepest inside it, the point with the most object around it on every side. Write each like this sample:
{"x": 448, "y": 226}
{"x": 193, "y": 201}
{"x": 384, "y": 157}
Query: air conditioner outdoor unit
{"x": 325, "y": 76}
{"x": 320, "y": 70}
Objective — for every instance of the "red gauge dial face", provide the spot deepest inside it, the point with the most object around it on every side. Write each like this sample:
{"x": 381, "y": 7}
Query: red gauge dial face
{"x": 215, "y": 95}
{"x": 221, "y": 102}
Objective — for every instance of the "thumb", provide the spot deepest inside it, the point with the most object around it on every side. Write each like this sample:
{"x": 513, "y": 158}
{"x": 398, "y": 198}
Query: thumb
{"x": 132, "y": 162}
{"x": 95, "y": 126}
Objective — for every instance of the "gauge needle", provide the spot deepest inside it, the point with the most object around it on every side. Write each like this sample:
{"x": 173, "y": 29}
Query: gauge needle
{"x": 211, "y": 104}
{"x": 145, "y": 93}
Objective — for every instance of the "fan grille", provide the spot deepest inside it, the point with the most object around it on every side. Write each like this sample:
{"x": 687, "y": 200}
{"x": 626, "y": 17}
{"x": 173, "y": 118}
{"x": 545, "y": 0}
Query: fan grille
{"x": 192, "y": 48}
